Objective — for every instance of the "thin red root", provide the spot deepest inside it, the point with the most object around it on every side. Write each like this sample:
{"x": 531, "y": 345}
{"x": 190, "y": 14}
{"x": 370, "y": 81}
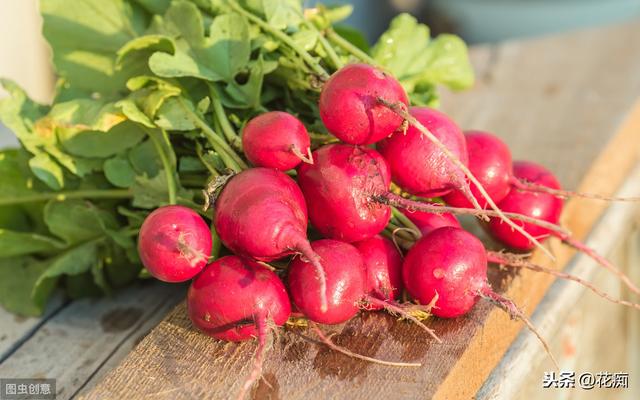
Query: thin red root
{"x": 514, "y": 260}
{"x": 412, "y": 205}
{"x": 327, "y": 341}
{"x": 401, "y": 110}
{"x": 599, "y": 259}
{"x": 264, "y": 339}
{"x": 515, "y": 313}
{"x": 465, "y": 189}
{"x": 396, "y": 309}
{"x": 304, "y": 247}
{"x": 308, "y": 158}
{"x": 564, "y": 194}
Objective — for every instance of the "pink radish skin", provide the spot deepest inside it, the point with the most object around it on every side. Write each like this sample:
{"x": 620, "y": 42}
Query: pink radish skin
{"x": 450, "y": 262}
{"x": 417, "y": 165}
{"x": 543, "y": 206}
{"x": 490, "y": 162}
{"x": 338, "y": 189}
{"x": 229, "y": 297}
{"x": 383, "y": 266}
{"x": 346, "y": 282}
{"x": 261, "y": 214}
{"x": 174, "y": 243}
{"x": 427, "y": 222}
{"x": 276, "y": 140}
{"x": 349, "y": 106}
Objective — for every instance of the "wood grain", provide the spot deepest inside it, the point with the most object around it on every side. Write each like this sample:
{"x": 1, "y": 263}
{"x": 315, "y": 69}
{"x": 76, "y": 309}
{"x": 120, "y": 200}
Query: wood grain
{"x": 560, "y": 101}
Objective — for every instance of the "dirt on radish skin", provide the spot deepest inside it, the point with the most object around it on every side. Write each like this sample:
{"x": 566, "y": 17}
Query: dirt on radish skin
{"x": 276, "y": 140}
{"x": 349, "y": 108}
{"x": 383, "y": 266}
{"x": 338, "y": 189}
{"x": 174, "y": 243}
{"x": 490, "y": 162}
{"x": 419, "y": 166}
{"x": 228, "y": 297}
{"x": 346, "y": 282}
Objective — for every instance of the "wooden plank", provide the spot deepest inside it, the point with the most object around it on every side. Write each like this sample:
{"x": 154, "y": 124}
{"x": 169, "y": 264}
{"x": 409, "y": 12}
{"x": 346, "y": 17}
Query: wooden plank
{"x": 565, "y": 95}
{"x": 76, "y": 343}
{"x": 564, "y": 297}
{"x": 16, "y": 329}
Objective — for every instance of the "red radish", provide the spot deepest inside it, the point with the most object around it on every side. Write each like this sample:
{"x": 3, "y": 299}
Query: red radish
{"x": 260, "y": 213}
{"x": 544, "y": 206}
{"x": 346, "y": 282}
{"x": 540, "y": 205}
{"x": 338, "y": 189}
{"x": 490, "y": 162}
{"x": 383, "y": 266}
{"x": 233, "y": 295}
{"x": 349, "y": 107}
{"x": 456, "y": 161}
{"x": 429, "y": 221}
{"x": 174, "y": 243}
{"x": 452, "y": 264}
{"x": 236, "y": 299}
{"x": 347, "y": 190}
{"x": 276, "y": 139}
{"x": 419, "y": 166}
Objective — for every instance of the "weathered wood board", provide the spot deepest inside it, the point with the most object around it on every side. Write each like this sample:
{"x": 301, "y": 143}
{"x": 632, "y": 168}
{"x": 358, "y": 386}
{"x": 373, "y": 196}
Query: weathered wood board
{"x": 565, "y": 101}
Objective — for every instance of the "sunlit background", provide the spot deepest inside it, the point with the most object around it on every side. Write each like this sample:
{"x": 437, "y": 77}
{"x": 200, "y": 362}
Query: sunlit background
{"x": 24, "y": 55}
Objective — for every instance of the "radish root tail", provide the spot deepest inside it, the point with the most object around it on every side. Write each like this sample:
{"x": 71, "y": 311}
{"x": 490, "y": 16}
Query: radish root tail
{"x": 515, "y": 313}
{"x": 599, "y": 259}
{"x": 412, "y": 205}
{"x": 327, "y": 341}
{"x": 264, "y": 342}
{"x": 400, "y": 109}
{"x": 396, "y": 309}
{"x": 514, "y": 260}
{"x": 304, "y": 247}
{"x": 522, "y": 184}
{"x": 306, "y": 158}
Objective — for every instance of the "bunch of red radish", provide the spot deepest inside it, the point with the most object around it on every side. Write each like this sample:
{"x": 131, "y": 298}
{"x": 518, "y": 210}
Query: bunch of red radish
{"x": 344, "y": 190}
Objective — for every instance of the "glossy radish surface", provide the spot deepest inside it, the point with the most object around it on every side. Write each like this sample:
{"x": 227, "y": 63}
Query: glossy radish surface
{"x": 338, "y": 189}
{"x": 543, "y": 206}
{"x": 490, "y": 162}
{"x": 275, "y": 139}
{"x": 383, "y": 266}
{"x": 174, "y": 243}
{"x": 418, "y": 165}
{"x": 428, "y": 221}
{"x": 349, "y": 105}
{"x": 451, "y": 263}
{"x": 346, "y": 282}
{"x": 232, "y": 294}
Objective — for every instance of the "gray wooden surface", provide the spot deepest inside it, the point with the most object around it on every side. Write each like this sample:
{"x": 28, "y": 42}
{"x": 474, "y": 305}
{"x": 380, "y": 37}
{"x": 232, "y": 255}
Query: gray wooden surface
{"x": 78, "y": 342}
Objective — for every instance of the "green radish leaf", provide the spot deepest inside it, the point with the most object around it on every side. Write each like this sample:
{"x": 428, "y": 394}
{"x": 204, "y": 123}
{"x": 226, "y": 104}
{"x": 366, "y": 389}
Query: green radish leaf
{"x": 14, "y": 244}
{"x": 283, "y": 14}
{"x": 85, "y": 38}
{"x": 76, "y": 220}
{"x": 82, "y": 286}
{"x": 18, "y": 277}
{"x": 420, "y": 63}
{"x": 47, "y": 170}
{"x": 191, "y": 164}
{"x": 75, "y": 261}
{"x": 144, "y": 159}
{"x": 154, "y": 6}
{"x": 248, "y": 94}
{"x": 119, "y": 172}
{"x": 219, "y": 56}
{"x": 172, "y": 117}
{"x": 148, "y": 44}
{"x": 152, "y": 192}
